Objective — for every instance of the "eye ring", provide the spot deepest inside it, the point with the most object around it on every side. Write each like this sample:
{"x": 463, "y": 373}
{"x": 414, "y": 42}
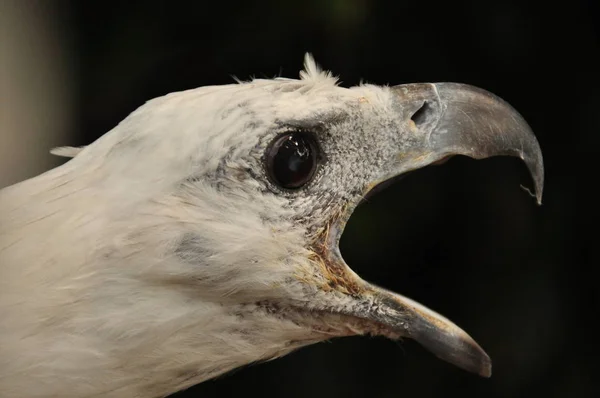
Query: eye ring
{"x": 292, "y": 159}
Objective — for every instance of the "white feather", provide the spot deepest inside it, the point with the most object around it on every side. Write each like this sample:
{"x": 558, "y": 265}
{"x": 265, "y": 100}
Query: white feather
{"x": 66, "y": 151}
{"x": 95, "y": 299}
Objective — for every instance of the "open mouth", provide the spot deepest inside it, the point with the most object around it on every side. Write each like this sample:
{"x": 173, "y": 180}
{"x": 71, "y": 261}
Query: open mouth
{"x": 357, "y": 307}
{"x": 383, "y": 313}
{"x": 444, "y": 120}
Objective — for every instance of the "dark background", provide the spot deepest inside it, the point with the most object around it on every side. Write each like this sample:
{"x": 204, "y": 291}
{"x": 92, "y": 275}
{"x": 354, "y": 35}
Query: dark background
{"x": 462, "y": 238}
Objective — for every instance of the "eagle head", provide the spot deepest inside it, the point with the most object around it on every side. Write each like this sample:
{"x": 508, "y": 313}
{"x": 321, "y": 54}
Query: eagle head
{"x": 201, "y": 233}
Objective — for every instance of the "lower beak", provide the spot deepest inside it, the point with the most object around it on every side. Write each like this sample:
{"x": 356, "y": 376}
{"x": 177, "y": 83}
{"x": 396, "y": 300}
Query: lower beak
{"x": 443, "y": 120}
{"x": 439, "y": 335}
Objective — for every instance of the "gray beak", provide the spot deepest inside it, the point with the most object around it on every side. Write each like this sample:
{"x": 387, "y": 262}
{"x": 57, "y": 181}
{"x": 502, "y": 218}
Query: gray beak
{"x": 456, "y": 119}
{"x": 437, "y": 121}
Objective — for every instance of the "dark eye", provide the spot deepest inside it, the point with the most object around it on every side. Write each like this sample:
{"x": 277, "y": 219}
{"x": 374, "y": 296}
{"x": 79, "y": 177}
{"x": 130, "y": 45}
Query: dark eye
{"x": 292, "y": 159}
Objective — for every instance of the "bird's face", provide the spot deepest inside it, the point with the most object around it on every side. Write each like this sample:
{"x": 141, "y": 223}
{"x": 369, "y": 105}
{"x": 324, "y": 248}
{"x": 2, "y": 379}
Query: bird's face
{"x": 280, "y": 166}
{"x": 227, "y": 205}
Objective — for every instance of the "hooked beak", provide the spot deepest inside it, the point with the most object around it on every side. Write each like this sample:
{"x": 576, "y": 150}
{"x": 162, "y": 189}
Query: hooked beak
{"x": 457, "y": 119}
{"x": 443, "y": 120}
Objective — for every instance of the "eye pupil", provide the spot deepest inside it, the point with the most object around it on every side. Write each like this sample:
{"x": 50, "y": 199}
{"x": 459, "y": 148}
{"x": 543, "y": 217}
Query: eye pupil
{"x": 292, "y": 159}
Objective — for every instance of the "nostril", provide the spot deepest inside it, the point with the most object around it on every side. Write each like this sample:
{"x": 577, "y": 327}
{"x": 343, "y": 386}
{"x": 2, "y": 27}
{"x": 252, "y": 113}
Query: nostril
{"x": 422, "y": 114}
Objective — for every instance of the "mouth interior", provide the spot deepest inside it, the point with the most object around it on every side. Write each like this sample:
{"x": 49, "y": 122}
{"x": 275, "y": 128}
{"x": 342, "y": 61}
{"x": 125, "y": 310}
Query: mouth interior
{"x": 417, "y": 268}
{"x": 375, "y": 245}
{"x": 380, "y": 187}
{"x": 413, "y": 237}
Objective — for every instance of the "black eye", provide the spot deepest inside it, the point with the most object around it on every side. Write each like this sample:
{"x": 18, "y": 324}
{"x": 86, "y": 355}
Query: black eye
{"x": 292, "y": 159}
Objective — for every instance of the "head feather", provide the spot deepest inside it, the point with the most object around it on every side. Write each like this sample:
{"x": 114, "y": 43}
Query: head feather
{"x": 313, "y": 73}
{"x": 66, "y": 151}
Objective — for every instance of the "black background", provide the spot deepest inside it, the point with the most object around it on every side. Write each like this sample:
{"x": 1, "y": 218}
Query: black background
{"x": 462, "y": 238}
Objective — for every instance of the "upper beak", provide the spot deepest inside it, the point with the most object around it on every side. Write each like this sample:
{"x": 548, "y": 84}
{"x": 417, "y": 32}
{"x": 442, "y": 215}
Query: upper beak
{"x": 457, "y": 119}
{"x": 443, "y": 120}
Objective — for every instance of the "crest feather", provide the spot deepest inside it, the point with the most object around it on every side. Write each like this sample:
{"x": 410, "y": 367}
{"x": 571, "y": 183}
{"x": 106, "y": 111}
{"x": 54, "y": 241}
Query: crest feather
{"x": 313, "y": 73}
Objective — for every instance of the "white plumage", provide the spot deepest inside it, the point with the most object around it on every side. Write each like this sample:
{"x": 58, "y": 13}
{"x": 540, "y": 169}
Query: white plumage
{"x": 161, "y": 255}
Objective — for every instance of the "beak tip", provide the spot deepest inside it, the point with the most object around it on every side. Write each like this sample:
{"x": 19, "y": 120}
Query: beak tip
{"x": 473, "y": 359}
{"x": 486, "y": 367}
{"x": 480, "y": 363}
